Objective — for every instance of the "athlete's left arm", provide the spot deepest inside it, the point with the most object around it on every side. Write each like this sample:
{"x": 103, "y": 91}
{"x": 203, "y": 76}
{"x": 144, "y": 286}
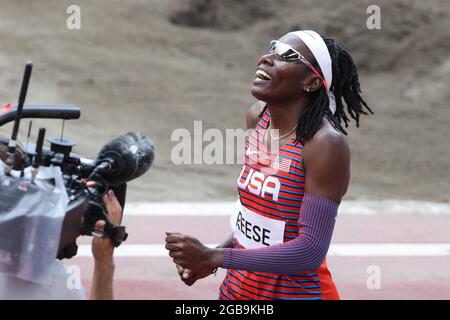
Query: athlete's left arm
{"x": 327, "y": 161}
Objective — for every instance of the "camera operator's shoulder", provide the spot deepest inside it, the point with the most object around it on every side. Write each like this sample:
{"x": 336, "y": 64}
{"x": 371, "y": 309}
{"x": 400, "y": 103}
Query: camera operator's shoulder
{"x": 253, "y": 113}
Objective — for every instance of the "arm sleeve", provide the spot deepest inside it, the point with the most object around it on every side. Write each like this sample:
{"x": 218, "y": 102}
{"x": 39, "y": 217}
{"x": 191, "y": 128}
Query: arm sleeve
{"x": 306, "y": 252}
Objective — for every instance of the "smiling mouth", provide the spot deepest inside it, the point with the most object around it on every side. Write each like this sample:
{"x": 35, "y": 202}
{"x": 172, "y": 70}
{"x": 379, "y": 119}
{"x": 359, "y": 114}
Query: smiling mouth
{"x": 261, "y": 74}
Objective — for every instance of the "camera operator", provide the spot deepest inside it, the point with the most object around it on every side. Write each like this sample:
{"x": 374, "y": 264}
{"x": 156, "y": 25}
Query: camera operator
{"x": 102, "y": 282}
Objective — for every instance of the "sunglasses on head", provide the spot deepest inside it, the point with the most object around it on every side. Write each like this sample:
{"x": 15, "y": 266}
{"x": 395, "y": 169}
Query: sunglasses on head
{"x": 286, "y": 53}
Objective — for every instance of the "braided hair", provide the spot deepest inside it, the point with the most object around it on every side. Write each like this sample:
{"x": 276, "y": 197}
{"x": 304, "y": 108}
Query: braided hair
{"x": 345, "y": 87}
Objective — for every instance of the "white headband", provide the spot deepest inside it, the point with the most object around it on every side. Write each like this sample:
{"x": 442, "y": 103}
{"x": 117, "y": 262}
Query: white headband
{"x": 319, "y": 49}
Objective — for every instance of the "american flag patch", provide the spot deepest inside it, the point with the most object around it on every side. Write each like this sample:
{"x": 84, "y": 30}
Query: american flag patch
{"x": 281, "y": 164}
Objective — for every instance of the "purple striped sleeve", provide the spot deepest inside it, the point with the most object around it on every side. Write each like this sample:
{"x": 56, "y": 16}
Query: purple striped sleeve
{"x": 306, "y": 252}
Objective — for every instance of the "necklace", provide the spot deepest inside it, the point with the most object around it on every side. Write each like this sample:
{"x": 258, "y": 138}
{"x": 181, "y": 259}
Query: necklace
{"x": 283, "y": 136}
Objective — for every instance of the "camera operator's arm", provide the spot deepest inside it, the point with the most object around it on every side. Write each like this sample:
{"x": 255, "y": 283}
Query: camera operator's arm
{"x": 103, "y": 249}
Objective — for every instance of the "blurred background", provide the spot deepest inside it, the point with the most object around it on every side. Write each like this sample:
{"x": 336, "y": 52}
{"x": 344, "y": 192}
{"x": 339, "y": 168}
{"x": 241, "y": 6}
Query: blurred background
{"x": 155, "y": 66}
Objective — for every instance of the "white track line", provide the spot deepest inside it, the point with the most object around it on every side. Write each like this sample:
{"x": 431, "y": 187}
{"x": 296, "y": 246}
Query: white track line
{"x": 339, "y": 250}
{"x": 225, "y": 208}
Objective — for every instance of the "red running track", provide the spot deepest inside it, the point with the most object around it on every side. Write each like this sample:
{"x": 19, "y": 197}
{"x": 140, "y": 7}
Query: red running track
{"x": 418, "y": 277}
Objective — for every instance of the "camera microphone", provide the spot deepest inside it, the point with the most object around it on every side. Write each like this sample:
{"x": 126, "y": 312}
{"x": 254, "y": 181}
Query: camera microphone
{"x": 125, "y": 158}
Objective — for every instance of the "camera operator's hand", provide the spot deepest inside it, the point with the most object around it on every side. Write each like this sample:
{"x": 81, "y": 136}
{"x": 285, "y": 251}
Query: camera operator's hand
{"x": 103, "y": 249}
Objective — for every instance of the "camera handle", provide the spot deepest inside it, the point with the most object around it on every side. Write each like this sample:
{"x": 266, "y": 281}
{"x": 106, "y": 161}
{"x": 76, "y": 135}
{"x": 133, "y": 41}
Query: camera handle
{"x": 79, "y": 217}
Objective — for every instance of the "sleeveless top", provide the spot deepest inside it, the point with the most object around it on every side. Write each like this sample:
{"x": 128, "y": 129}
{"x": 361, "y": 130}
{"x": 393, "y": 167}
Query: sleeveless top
{"x": 270, "y": 194}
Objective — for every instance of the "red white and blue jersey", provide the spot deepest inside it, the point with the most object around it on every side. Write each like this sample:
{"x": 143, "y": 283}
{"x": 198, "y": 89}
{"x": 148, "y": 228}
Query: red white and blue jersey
{"x": 270, "y": 189}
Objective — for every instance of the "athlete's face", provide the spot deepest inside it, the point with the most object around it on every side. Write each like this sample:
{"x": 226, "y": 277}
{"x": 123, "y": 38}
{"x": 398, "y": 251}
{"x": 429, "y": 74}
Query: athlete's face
{"x": 279, "y": 81}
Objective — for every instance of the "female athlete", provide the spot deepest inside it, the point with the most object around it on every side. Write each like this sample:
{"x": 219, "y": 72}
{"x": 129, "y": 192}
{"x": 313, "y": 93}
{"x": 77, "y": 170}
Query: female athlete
{"x": 295, "y": 173}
